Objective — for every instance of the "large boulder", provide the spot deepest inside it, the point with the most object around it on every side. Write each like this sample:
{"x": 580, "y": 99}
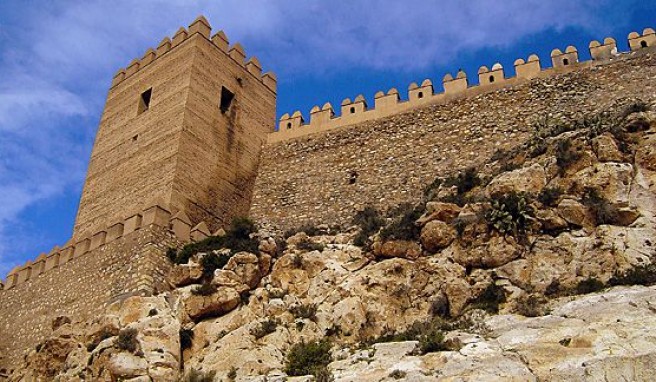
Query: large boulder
{"x": 185, "y": 274}
{"x": 445, "y": 212}
{"x": 397, "y": 248}
{"x": 527, "y": 179}
{"x": 246, "y": 266}
{"x": 436, "y": 235}
{"x": 216, "y": 304}
{"x": 606, "y": 149}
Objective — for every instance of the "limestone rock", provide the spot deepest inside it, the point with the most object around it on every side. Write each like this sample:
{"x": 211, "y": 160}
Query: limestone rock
{"x": 246, "y": 266}
{"x": 606, "y": 149}
{"x": 436, "y": 235}
{"x": 397, "y": 248}
{"x": 550, "y": 221}
{"x": 573, "y": 212}
{"x": 127, "y": 365}
{"x": 185, "y": 274}
{"x": 530, "y": 179}
{"x": 268, "y": 246}
{"x": 445, "y": 212}
{"x": 220, "y": 302}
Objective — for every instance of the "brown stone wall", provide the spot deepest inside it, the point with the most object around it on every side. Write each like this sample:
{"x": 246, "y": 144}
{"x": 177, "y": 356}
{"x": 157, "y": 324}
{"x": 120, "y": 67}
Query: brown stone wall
{"x": 182, "y": 151}
{"x": 395, "y": 158}
{"x": 133, "y": 264}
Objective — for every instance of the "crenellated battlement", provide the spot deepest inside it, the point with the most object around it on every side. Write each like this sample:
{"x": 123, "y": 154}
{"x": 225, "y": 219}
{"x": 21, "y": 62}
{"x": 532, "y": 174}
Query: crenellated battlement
{"x": 202, "y": 27}
{"x": 489, "y": 79}
{"x": 157, "y": 214}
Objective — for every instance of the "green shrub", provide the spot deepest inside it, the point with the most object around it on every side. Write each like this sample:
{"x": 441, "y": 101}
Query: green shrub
{"x": 510, "y": 213}
{"x": 370, "y": 221}
{"x": 199, "y": 376}
{"x": 566, "y": 155}
{"x": 308, "y": 311}
{"x": 550, "y": 196}
{"x": 186, "y": 338}
{"x": 403, "y": 227}
{"x": 264, "y": 328}
{"x": 308, "y": 358}
{"x": 603, "y": 211}
{"x": 127, "y": 340}
{"x": 237, "y": 239}
{"x": 172, "y": 253}
{"x": 309, "y": 228}
{"x": 464, "y": 181}
{"x": 433, "y": 341}
{"x": 309, "y": 245}
{"x": 490, "y": 299}
{"x": 636, "y": 106}
{"x": 589, "y": 285}
{"x": 640, "y": 275}
{"x": 211, "y": 262}
{"x": 206, "y": 289}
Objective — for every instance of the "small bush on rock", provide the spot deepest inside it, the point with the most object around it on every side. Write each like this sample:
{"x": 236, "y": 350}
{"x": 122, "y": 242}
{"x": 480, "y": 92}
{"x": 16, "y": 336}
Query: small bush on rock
{"x": 206, "y": 289}
{"x": 308, "y": 358}
{"x": 550, "y": 196}
{"x": 464, "y": 181}
{"x": 511, "y": 214}
{"x": 199, "y": 376}
{"x": 309, "y": 229}
{"x": 211, "y": 262}
{"x": 370, "y": 221}
{"x": 589, "y": 285}
{"x": 309, "y": 245}
{"x": 264, "y": 328}
{"x": 127, "y": 340}
{"x": 490, "y": 299}
{"x": 640, "y": 275}
{"x": 404, "y": 227}
{"x": 237, "y": 239}
{"x": 308, "y": 311}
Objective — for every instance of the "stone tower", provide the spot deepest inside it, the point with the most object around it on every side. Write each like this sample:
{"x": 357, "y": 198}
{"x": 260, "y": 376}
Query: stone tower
{"x": 184, "y": 125}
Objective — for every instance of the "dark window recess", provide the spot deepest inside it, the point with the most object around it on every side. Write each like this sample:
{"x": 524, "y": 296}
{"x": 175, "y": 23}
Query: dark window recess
{"x": 565, "y": 62}
{"x": 352, "y": 110}
{"x": 134, "y": 139}
{"x": 420, "y": 95}
{"x": 226, "y": 99}
{"x": 643, "y": 43}
{"x": 353, "y": 177}
{"x": 144, "y": 100}
{"x": 289, "y": 125}
{"x": 491, "y": 79}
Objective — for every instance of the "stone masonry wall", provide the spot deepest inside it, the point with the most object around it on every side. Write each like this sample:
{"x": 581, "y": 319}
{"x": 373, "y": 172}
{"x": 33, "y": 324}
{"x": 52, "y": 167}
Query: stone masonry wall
{"x": 132, "y": 264}
{"x": 392, "y": 160}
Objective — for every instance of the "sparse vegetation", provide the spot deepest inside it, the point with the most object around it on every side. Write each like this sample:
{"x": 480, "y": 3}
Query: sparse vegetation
{"x": 199, "y": 376}
{"x": 309, "y": 228}
{"x": 640, "y": 275}
{"x": 490, "y": 299}
{"x": 589, "y": 285}
{"x": 309, "y": 245}
{"x": 232, "y": 374}
{"x": 404, "y": 227}
{"x": 205, "y": 289}
{"x": 212, "y": 261}
{"x": 464, "y": 181}
{"x": 264, "y": 328}
{"x": 237, "y": 239}
{"x": 550, "y": 196}
{"x": 511, "y": 213}
{"x": 566, "y": 155}
{"x": 309, "y": 358}
{"x": 398, "y": 374}
{"x": 307, "y": 311}
{"x": 370, "y": 221}
{"x": 127, "y": 340}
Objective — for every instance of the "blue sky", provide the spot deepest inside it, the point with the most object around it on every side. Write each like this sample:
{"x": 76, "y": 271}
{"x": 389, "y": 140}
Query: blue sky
{"x": 57, "y": 59}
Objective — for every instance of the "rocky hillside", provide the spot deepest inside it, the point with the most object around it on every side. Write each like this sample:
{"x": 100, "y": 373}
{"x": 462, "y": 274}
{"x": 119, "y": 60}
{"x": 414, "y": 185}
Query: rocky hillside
{"x": 534, "y": 267}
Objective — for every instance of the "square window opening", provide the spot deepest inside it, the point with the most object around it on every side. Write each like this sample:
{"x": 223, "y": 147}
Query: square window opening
{"x": 226, "y": 99}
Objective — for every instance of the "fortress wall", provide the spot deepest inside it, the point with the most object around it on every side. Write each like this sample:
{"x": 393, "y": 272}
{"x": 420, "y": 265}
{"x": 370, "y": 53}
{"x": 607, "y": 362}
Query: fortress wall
{"x": 81, "y": 279}
{"x": 393, "y": 159}
{"x": 389, "y": 103}
{"x": 81, "y": 288}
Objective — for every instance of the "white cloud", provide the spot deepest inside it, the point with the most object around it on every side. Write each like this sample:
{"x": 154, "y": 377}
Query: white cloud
{"x": 57, "y": 62}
